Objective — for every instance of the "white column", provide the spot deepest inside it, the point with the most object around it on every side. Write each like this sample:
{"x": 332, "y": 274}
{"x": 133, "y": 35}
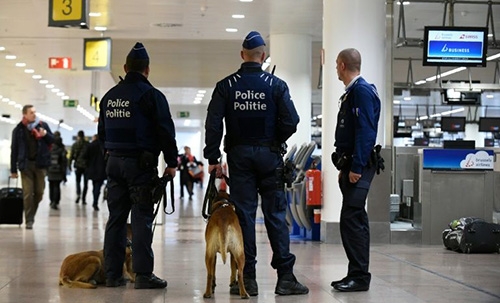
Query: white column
{"x": 291, "y": 53}
{"x": 356, "y": 24}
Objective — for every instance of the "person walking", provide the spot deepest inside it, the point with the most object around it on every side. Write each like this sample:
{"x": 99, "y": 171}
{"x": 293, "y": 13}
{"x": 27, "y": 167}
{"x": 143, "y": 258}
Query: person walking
{"x": 355, "y": 136}
{"x": 96, "y": 168}
{"x": 30, "y": 153}
{"x": 80, "y": 165}
{"x": 56, "y": 172}
{"x": 135, "y": 125}
{"x": 259, "y": 117}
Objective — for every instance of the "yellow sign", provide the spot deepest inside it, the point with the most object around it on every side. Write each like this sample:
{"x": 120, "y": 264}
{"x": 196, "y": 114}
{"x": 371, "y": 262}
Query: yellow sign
{"x": 97, "y": 54}
{"x": 66, "y": 13}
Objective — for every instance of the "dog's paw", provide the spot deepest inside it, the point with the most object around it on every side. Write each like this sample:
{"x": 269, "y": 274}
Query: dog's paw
{"x": 245, "y": 296}
{"x": 207, "y": 295}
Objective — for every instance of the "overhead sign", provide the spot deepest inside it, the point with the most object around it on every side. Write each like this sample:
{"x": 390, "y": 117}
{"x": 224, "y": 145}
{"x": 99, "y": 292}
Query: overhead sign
{"x": 70, "y": 103}
{"x": 184, "y": 114}
{"x": 458, "y": 159}
{"x": 68, "y": 13}
{"x": 97, "y": 54}
{"x": 60, "y": 62}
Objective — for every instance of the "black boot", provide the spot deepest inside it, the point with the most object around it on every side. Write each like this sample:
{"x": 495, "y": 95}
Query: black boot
{"x": 288, "y": 285}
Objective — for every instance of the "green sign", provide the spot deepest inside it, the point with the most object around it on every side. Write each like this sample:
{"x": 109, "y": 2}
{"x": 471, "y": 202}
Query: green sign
{"x": 70, "y": 103}
{"x": 183, "y": 114}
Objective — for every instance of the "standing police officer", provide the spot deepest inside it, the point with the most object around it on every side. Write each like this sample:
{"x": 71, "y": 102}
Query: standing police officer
{"x": 259, "y": 115}
{"x": 355, "y": 137}
{"x": 135, "y": 125}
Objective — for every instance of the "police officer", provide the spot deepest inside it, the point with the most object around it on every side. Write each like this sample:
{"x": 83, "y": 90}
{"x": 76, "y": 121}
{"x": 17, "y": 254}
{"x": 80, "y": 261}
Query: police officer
{"x": 355, "y": 137}
{"x": 135, "y": 125}
{"x": 259, "y": 115}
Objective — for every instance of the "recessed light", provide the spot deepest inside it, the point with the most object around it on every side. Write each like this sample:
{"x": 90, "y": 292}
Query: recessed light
{"x": 91, "y": 14}
{"x": 29, "y": 71}
{"x": 2, "y": 48}
{"x": 100, "y": 28}
{"x": 202, "y": 91}
{"x": 246, "y": 0}
{"x": 236, "y": 16}
{"x": 231, "y": 30}
{"x": 10, "y": 57}
{"x": 489, "y": 96}
{"x": 43, "y": 81}
{"x": 20, "y": 64}
{"x": 55, "y": 90}
{"x": 49, "y": 86}
{"x": 36, "y": 77}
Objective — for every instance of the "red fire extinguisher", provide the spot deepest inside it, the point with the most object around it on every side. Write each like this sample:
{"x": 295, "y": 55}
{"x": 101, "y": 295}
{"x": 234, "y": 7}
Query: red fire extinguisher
{"x": 313, "y": 191}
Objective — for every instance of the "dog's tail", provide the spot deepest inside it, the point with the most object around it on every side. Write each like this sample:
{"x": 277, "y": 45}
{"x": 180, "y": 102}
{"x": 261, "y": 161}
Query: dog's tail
{"x": 77, "y": 284}
{"x": 223, "y": 246}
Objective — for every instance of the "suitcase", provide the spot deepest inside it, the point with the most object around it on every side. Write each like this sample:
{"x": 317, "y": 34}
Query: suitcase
{"x": 11, "y": 205}
{"x": 480, "y": 237}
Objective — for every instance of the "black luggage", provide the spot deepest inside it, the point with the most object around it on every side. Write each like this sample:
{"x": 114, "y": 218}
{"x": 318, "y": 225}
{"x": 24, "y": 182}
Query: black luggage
{"x": 11, "y": 205}
{"x": 472, "y": 235}
{"x": 480, "y": 237}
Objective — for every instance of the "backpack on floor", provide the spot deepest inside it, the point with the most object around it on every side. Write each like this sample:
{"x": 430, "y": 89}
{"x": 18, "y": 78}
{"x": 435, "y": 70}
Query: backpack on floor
{"x": 472, "y": 235}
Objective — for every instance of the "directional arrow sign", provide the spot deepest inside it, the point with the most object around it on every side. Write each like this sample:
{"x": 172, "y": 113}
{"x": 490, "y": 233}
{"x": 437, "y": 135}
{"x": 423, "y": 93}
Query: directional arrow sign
{"x": 60, "y": 62}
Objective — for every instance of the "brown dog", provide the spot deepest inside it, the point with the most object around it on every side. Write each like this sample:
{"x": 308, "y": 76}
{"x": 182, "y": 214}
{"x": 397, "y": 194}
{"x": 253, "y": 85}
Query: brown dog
{"x": 223, "y": 234}
{"x": 86, "y": 269}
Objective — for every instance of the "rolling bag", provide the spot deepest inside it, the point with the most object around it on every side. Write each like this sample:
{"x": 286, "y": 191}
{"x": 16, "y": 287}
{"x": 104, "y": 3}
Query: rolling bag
{"x": 11, "y": 205}
{"x": 480, "y": 237}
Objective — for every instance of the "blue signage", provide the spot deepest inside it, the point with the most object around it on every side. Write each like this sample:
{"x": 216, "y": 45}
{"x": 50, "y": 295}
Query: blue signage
{"x": 458, "y": 159}
{"x": 456, "y": 49}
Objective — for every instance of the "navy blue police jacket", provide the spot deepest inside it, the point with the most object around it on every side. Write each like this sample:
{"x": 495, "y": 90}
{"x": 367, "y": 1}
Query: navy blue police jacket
{"x": 256, "y": 107}
{"x": 134, "y": 116}
{"x": 357, "y": 123}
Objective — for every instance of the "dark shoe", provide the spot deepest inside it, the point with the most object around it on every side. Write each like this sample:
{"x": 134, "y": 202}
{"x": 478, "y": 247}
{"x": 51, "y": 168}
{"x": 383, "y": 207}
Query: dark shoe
{"x": 250, "y": 285}
{"x": 29, "y": 225}
{"x": 149, "y": 281}
{"x": 337, "y": 282}
{"x": 84, "y": 203}
{"x": 54, "y": 206}
{"x": 351, "y": 285}
{"x": 115, "y": 282}
{"x": 288, "y": 285}
{"x": 96, "y": 208}
{"x": 77, "y": 199}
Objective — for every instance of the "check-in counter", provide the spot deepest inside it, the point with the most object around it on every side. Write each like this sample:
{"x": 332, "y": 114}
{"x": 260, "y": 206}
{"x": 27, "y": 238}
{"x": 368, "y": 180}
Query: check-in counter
{"x": 453, "y": 183}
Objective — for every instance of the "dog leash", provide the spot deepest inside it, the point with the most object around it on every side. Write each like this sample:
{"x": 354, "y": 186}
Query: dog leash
{"x": 160, "y": 193}
{"x": 210, "y": 194}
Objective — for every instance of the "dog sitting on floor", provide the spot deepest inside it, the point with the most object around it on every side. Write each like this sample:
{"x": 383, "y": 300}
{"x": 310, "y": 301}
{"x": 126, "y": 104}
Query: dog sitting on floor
{"x": 222, "y": 235}
{"x": 86, "y": 269}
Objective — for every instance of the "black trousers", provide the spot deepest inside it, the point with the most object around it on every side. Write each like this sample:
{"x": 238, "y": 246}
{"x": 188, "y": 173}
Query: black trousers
{"x": 354, "y": 224}
{"x": 124, "y": 174}
{"x": 55, "y": 191}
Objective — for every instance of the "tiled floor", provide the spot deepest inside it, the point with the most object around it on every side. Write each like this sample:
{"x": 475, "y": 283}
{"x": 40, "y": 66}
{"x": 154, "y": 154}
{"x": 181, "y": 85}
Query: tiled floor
{"x": 30, "y": 262}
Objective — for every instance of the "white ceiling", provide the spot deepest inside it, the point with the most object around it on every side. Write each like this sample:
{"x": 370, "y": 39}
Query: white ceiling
{"x": 187, "y": 43}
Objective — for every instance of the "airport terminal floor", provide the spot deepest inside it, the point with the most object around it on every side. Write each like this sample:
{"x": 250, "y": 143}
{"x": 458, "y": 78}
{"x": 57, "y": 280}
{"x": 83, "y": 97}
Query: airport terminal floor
{"x": 30, "y": 261}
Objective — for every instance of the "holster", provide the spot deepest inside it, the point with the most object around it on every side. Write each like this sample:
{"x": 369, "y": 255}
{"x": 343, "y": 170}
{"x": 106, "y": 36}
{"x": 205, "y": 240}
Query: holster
{"x": 376, "y": 159}
{"x": 341, "y": 161}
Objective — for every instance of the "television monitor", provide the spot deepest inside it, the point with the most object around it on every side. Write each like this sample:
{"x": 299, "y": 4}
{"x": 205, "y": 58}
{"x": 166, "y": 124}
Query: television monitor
{"x": 455, "y": 46}
{"x": 453, "y": 124}
{"x": 489, "y": 124}
{"x": 459, "y": 144}
{"x": 489, "y": 142}
{"x": 420, "y": 142}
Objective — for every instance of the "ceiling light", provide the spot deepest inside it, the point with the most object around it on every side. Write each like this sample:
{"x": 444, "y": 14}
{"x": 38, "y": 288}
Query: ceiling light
{"x": 493, "y": 57}
{"x": 200, "y": 95}
{"x": 5, "y": 99}
{"x": 11, "y": 102}
{"x": 49, "y": 85}
{"x": 202, "y": 91}
{"x": 55, "y": 90}
{"x": 29, "y": 71}
{"x": 231, "y": 30}
{"x": 10, "y": 57}
{"x": 236, "y": 16}
{"x": 60, "y": 94}
{"x": 19, "y": 106}
{"x": 2, "y": 48}
{"x": 396, "y": 102}
{"x": 187, "y": 122}
{"x": 91, "y": 14}
{"x": 65, "y": 97}
{"x": 489, "y": 96}
{"x": 36, "y": 77}
{"x": 246, "y": 0}
{"x": 100, "y": 28}
{"x": 20, "y": 64}
{"x": 197, "y": 101}
{"x": 43, "y": 81}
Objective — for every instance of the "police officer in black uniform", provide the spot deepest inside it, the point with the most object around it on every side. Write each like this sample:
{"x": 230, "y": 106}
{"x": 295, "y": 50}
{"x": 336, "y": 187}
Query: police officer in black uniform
{"x": 355, "y": 138}
{"x": 135, "y": 125}
{"x": 259, "y": 115}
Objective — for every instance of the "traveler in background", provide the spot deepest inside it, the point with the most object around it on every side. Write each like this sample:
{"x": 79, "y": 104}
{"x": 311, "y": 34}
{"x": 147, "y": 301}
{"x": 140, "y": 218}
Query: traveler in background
{"x": 190, "y": 170}
{"x": 355, "y": 137}
{"x": 96, "y": 168}
{"x": 79, "y": 165}
{"x": 30, "y": 153}
{"x": 259, "y": 115}
{"x": 133, "y": 140}
{"x": 57, "y": 170}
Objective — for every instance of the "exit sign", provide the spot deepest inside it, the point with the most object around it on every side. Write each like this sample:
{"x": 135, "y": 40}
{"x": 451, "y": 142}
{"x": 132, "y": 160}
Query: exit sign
{"x": 183, "y": 114}
{"x": 60, "y": 62}
{"x": 70, "y": 103}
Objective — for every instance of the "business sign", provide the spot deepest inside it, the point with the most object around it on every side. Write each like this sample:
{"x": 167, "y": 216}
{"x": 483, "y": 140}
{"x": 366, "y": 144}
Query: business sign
{"x": 60, "y": 62}
{"x": 68, "y": 13}
{"x": 97, "y": 54}
{"x": 458, "y": 159}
